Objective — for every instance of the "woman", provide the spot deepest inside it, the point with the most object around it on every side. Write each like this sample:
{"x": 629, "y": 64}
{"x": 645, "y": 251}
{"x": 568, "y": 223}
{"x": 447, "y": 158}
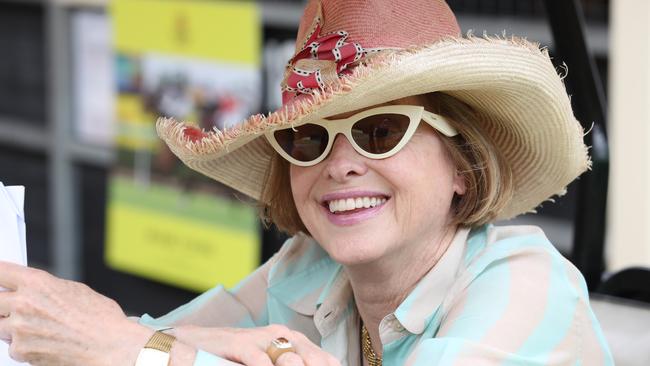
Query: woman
{"x": 397, "y": 144}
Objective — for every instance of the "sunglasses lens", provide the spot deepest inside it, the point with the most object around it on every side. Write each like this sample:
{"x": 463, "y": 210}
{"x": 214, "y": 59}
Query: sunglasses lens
{"x": 380, "y": 133}
{"x": 303, "y": 143}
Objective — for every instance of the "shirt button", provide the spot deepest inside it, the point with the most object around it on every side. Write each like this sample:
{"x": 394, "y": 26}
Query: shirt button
{"x": 399, "y": 327}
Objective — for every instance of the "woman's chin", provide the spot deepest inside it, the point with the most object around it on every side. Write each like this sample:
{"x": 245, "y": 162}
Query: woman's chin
{"x": 355, "y": 251}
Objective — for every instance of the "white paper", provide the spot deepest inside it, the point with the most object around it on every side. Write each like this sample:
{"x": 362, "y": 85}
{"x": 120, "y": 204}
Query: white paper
{"x": 13, "y": 247}
{"x": 12, "y": 224}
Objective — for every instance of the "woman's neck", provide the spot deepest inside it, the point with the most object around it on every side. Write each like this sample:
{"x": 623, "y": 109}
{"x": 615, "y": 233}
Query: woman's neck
{"x": 380, "y": 286}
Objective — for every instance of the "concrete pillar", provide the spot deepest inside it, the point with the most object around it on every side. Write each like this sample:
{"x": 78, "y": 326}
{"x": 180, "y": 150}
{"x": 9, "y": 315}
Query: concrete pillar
{"x": 628, "y": 239}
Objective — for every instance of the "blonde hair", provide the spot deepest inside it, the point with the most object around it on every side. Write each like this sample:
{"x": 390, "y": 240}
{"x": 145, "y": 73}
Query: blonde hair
{"x": 488, "y": 178}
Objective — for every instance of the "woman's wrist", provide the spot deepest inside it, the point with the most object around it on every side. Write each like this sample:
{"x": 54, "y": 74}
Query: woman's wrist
{"x": 131, "y": 340}
{"x": 182, "y": 354}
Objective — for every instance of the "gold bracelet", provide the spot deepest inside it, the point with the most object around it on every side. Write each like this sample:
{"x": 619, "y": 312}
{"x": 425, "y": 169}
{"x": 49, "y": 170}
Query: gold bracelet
{"x": 156, "y": 351}
{"x": 161, "y": 341}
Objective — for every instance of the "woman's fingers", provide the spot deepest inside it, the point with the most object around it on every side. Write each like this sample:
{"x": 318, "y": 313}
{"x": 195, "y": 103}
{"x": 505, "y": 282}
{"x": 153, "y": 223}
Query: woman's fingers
{"x": 290, "y": 359}
{"x": 255, "y": 358}
{"x": 6, "y": 303}
{"x": 305, "y": 351}
{"x": 12, "y": 275}
{"x": 52, "y": 321}
{"x": 311, "y": 354}
{"x": 5, "y": 331}
{"x": 249, "y": 345}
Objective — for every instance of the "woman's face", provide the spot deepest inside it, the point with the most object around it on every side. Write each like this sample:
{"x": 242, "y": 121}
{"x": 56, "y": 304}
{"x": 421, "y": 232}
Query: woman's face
{"x": 414, "y": 189}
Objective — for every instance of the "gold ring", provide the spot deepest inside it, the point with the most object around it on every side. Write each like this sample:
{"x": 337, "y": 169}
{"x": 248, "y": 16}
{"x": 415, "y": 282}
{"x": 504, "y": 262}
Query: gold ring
{"x": 277, "y": 347}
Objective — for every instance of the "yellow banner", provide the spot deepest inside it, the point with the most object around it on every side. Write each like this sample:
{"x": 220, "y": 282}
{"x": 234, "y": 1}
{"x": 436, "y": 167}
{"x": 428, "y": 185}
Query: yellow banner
{"x": 226, "y": 31}
{"x": 195, "y": 60}
{"x": 187, "y": 240}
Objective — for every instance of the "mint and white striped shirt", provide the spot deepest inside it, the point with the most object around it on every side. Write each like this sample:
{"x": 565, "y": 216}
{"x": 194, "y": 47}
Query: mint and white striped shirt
{"x": 498, "y": 296}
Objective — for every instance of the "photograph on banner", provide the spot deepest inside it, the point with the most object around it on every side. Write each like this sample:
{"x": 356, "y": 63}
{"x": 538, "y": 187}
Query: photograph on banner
{"x": 166, "y": 222}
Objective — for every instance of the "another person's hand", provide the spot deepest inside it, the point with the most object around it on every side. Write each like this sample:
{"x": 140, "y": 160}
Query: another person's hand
{"x": 248, "y": 346}
{"x": 51, "y": 321}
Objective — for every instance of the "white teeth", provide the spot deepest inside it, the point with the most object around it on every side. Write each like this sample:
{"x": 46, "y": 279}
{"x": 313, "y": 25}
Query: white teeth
{"x": 354, "y": 203}
{"x": 358, "y": 202}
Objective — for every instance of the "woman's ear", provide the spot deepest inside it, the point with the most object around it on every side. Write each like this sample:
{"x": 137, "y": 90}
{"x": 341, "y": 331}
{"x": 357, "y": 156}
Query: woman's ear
{"x": 460, "y": 184}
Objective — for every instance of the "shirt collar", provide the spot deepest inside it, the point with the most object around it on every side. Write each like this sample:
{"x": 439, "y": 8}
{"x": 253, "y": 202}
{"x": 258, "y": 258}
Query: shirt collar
{"x": 334, "y": 302}
{"x": 322, "y": 289}
{"x": 309, "y": 282}
{"x": 300, "y": 277}
{"x": 415, "y": 312}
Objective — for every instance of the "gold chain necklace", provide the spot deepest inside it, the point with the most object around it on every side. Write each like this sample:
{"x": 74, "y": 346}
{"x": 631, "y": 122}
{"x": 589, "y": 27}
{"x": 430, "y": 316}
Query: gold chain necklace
{"x": 366, "y": 347}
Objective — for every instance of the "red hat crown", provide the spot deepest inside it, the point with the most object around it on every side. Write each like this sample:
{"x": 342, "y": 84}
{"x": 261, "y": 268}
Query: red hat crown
{"x": 334, "y": 35}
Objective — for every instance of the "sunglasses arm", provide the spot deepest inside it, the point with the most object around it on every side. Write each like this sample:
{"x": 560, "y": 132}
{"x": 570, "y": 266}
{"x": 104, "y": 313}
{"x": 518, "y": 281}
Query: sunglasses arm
{"x": 439, "y": 123}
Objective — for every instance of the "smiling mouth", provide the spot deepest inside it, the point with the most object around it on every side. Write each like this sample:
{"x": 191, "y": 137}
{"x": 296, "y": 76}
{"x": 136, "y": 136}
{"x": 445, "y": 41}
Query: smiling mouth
{"x": 351, "y": 205}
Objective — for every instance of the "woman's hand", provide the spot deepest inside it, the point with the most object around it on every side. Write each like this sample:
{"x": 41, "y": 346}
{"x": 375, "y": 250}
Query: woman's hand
{"x": 51, "y": 321}
{"x": 248, "y": 345}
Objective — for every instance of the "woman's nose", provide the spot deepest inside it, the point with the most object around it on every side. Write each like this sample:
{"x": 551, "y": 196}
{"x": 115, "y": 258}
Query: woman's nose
{"x": 343, "y": 161}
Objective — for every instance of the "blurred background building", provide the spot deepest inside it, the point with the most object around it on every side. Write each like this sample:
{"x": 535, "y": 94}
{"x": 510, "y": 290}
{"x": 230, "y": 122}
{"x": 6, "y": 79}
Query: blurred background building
{"x": 81, "y": 82}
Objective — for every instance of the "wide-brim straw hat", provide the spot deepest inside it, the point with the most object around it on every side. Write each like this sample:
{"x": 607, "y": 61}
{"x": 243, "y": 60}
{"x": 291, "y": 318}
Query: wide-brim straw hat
{"x": 352, "y": 54}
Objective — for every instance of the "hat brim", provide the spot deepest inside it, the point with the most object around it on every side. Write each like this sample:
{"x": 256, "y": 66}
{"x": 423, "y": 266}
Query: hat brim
{"x": 512, "y": 82}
